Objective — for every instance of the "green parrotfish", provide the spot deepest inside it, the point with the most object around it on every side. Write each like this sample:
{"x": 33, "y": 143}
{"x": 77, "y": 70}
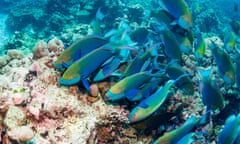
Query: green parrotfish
{"x": 149, "y": 105}
{"x": 174, "y": 136}
{"x": 224, "y": 65}
{"x": 211, "y": 95}
{"x": 230, "y": 131}
{"x": 77, "y": 50}
{"x": 200, "y": 46}
{"x": 174, "y": 70}
{"x": 171, "y": 46}
{"x": 82, "y": 68}
{"x": 180, "y": 11}
{"x": 229, "y": 41}
{"x": 128, "y": 86}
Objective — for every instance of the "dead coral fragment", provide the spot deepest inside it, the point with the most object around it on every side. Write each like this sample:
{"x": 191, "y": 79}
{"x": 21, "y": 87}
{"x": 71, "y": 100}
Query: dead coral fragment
{"x": 40, "y": 50}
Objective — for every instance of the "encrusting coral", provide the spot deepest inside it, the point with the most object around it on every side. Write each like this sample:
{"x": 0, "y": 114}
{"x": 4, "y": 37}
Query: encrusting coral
{"x": 54, "y": 114}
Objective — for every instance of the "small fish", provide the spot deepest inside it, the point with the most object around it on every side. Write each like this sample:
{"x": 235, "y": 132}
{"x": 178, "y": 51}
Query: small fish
{"x": 174, "y": 136}
{"x": 81, "y": 69}
{"x": 77, "y": 50}
{"x": 128, "y": 86}
{"x": 211, "y": 94}
{"x": 180, "y": 11}
{"x": 174, "y": 70}
{"x": 224, "y": 65}
{"x": 200, "y": 46}
{"x": 229, "y": 41}
{"x": 171, "y": 46}
{"x": 230, "y": 131}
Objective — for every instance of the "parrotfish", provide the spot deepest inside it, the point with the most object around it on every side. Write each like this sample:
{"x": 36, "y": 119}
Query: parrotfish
{"x": 81, "y": 69}
{"x": 224, "y": 65}
{"x": 107, "y": 69}
{"x": 174, "y": 136}
{"x": 199, "y": 46}
{"x": 229, "y": 41}
{"x": 230, "y": 131}
{"x": 162, "y": 16}
{"x": 96, "y": 23}
{"x": 180, "y": 11}
{"x": 171, "y": 46}
{"x": 136, "y": 65}
{"x": 149, "y": 105}
{"x": 128, "y": 86}
{"x": 139, "y": 35}
{"x": 238, "y": 74}
{"x": 78, "y": 50}
{"x": 185, "y": 44}
{"x": 174, "y": 70}
{"x": 145, "y": 91}
{"x": 211, "y": 95}
{"x": 187, "y": 139}
{"x": 235, "y": 26}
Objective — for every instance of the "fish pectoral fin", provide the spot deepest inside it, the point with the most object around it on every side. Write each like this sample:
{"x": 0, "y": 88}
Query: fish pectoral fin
{"x": 77, "y": 56}
{"x": 66, "y": 64}
{"x": 111, "y": 66}
{"x": 143, "y": 104}
{"x": 131, "y": 93}
{"x": 86, "y": 84}
{"x": 107, "y": 70}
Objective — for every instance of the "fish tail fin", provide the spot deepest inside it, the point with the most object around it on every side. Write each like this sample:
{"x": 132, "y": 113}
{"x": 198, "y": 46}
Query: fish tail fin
{"x": 205, "y": 72}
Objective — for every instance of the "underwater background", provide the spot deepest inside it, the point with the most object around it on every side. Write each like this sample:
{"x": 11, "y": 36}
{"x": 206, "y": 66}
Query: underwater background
{"x": 120, "y": 72}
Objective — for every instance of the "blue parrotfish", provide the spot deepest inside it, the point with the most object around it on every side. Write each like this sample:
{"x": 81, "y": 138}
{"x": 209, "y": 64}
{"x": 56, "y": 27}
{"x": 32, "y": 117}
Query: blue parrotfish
{"x": 96, "y": 23}
{"x": 199, "y": 46}
{"x": 235, "y": 26}
{"x": 107, "y": 69}
{"x": 229, "y": 40}
{"x": 185, "y": 44}
{"x": 187, "y": 139}
{"x": 174, "y": 70}
{"x": 128, "y": 86}
{"x": 139, "y": 35}
{"x": 149, "y": 105}
{"x": 77, "y": 50}
{"x": 175, "y": 136}
{"x": 137, "y": 63}
{"x": 162, "y": 16}
{"x": 146, "y": 90}
{"x": 230, "y": 131}
{"x": 81, "y": 69}
{"x": 171, "y": 46}
{"x": 238, "y": 74}
{"x": 211, "y": 95}
{"x": 224, "y": 64}
{"x": 180, "y": 11}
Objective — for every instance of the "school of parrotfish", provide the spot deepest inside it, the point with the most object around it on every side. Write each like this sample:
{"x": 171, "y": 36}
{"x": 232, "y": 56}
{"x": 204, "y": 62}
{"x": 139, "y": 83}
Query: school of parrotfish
{"x": 96, "y": 58}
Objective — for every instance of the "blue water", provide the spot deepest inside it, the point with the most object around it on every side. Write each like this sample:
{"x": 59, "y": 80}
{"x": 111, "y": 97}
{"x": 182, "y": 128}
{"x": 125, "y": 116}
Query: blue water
{"x": 3, "y": 30}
